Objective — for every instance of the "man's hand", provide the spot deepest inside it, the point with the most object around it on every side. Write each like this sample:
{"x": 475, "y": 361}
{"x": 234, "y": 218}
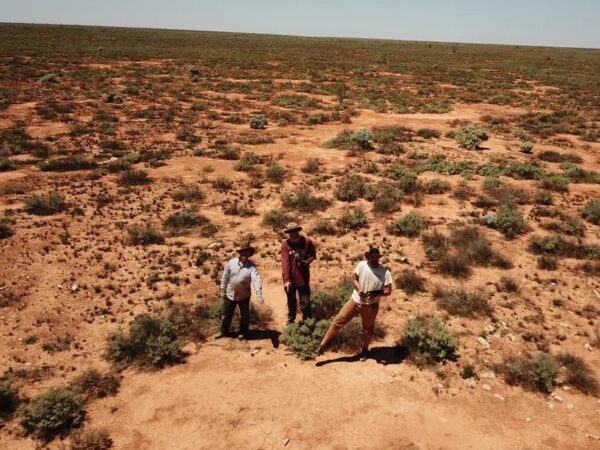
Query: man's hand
{"x": 287, "y": 286}
{"x": 260, "y": 300}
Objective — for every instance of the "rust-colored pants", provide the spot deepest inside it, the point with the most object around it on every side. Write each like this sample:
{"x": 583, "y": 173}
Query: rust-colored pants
{"x": 368, "y": 314}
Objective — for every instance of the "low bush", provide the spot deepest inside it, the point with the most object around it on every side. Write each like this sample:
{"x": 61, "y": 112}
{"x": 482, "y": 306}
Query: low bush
{"x": 406, "y": 179}
{"x": 428, "y": 341}
{"x": 326, "y": 304}
{"x": 304, "y": 201}
{"x": 7, "y": 165}
{"x": 556, "y": 157}
{"x": 52, "y": 414}
{"x": 222, "y": 184}
{"x": 247, "y": 162}
{"x": 324, "y": 227}
{"x": 527, "y": 147}
{"x": 470, "y": 137}
{"x": 92, "y": 384}
{"x": 409, "y": 225}
{"x": 312, "y": 165}
{"x": 151, "y": 342}
{"x": 350, "y": 188}
{"x": 543, "y": 198}
{"x": 5, "y": 228}
{"x": 591, "y": 212}
{"x": 145, "y": 235}
{"x": 276, "y": 219}
{"x": 456, "y": 265}
{"x": 186, "y": 218}
{"x": 195, "y": 323}
{"x": 508, "y": 220}
{"x": 556, "y": 183}
{"x": 8, "y": 399}
{"x": 436, "y": 186}
{"x": 460, "y": 302}
{"x": 134, "y": 178}
{"x": 45, "y": 205}
{"x": 410, "y": 282}
{"x": 352, "y": 141}
{"x": 91, "y": 439}
{"x": 189, "y": 193}
{"x": 70, "y": 163}
{"x": 558, "y": 246}
{"x": 387, "y": 197}
{"x": 428, "y": 133}
{"x": 304, "y": 338}
{"x": 435, "y": 244}
{"x": 354, "y": 219}
{"x": 275, "y": 172}
{"x": 578, "y": 374}
{"x": 536, "y": 373}
{"x": 258, "y": 122}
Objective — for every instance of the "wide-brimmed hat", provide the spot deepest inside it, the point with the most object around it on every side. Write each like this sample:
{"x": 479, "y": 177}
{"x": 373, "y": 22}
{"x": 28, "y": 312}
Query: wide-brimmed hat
{"x": 292, "y": 226}
{"x": 372, "y": 251}
{"x": 244, "y": 246}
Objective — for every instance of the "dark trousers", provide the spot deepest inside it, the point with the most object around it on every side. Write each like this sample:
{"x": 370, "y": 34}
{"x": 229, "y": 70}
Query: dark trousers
{"x": 229, "y": 309}
{"x": 304, "y": 294}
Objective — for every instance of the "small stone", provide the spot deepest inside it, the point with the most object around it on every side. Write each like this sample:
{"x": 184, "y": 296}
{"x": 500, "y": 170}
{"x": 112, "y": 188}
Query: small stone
{"x": 74, "y": 287}
{"x": 254, "y": 352}
{"x": 528, "y": 420}
{"x": 470, "y": 382}
{"x": 511, "y": 337}
{"x": 487, "y": 387}
{"x": 549, "y": 405}
{"x": 404, "y": 260}
{"x": 215, "y": 245}
{"x": 567, "y": 388}
{"x": 570, "y": 406}
{"x": 483, "y": 341}
{"x": 488, "y": 375}
{"x": 286, "y": 441}
{"x": 556, "y": 397}
{"x": 499, "y": 397}
{"x": 588, "y": 347}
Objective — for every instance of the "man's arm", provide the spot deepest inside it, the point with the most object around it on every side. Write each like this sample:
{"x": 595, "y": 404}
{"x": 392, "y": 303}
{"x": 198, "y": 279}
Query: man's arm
{"x": 255, "y": 277}
{"x": 225, "y": 280}
{"x": 355, "y": 282}
{"x": 311, "y": 252}
{"x": 285, "y": 265}
{"x": 387, "y": 288}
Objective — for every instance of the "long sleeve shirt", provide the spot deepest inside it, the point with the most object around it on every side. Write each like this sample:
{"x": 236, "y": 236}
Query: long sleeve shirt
{"x": 237, "y": 279}
{"x": 295, "y": 260}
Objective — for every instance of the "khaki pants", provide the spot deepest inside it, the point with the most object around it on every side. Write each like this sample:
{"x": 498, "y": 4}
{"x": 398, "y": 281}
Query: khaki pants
{"x": 349, "y": 311}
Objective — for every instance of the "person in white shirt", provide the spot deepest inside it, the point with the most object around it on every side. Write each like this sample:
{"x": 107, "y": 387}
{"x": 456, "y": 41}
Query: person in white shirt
{"x": 240, "y": 273}
{"x": 371, "y": 282}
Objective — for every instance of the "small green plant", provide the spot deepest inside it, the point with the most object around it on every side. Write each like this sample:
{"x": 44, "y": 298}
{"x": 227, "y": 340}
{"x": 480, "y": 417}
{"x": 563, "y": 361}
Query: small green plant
{"x": 556, "y": 183}
{"x": 70, "y": 163}
{"x": 134, "y": 178}
{"x": 247, "y": 162}
{"x": 304, "y": 201}
{"x": 312, "y": 165}
{"x": 45, "y": 205}
{"x": 326, "y": 304}
{"x": 145, "y": 235}
{"x": 92, "y": 384}
{"x": 428, "y": 341}
{"x": 52, "y": 414}
{"x": 543, "y": 198}
{"x": 324, "y": 227}
{"x": 304, "y": 338}
{"x": 222, "y": 184}
{"x": 470, "y": 137}
{"x": 8, "y": 399}
{"x": 409, "y": 225}
{"x": 189, "y": 193}
{"x": 435, "y": 245}
{"x": 186, "y": 218}
{"x": 50, "y": 78}
{"x": 508, "y": 220}
{"x": 579, "y": 375}
{"x": 428, "y": 133}
{"x": 275, "y": 172}
{"x": 527, "y": 147}
{"x": 350, "y": 188}
{"x": 354, "y": 219}
{"x": 276, "y": 219}
{"x": 468, "y": 371}
{"x": 151, "y": 342}
{"x": 258, "y": 122}
{"x": 591, "y": 212}
{"x": 536, "y": 373}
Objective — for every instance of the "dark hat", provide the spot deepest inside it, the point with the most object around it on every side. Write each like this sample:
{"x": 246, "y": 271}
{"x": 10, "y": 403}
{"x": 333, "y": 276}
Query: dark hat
{"x": 244, "y": 245}
{"x": 372, "y": 251}
{"x": 292, "y": 226}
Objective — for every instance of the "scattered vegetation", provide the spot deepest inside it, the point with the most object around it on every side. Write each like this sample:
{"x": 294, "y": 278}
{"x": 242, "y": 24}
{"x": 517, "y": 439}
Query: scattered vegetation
{"x": 428, "y": 341}
{"x": 45, "y": 205}
{"x": 537, "y": 372}
{"x": 470, "y": 137}
{"x": 461, "y": 302}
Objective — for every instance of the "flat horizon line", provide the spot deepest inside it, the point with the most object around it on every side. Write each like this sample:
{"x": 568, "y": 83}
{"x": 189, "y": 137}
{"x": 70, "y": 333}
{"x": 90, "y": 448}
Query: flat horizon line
{"x": 126, "y": 27}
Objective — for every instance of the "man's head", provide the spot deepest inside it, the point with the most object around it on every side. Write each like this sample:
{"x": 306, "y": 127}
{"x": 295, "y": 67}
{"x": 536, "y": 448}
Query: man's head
{"x": 293, "y": 231}
{"x": 373, "y": 256}
{"x": 245, "y": 254}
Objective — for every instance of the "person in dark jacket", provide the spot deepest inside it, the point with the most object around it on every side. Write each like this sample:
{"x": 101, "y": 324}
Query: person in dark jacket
{"x": 297, "y": 254}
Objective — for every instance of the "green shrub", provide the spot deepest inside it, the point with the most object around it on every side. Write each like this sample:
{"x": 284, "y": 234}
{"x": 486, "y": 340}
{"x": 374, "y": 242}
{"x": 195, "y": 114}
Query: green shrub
{"x": 409, "y": 225}
{"x": 470, "y": 137}
{"x": 461, "y": 302}
{"x": 7, "y": 165}
{"x": 354, "y": 219}
{"x": 5, "y": 228}
{"x": 258, "y": 122}
{"x": 50, "y": 78}
{"x": 405, "y": 178}
{"x": 304, "y": 201}
{"x": 196, "y": 323}
{"x": 312, "y": 165}
{"x": 591, "y": 136}
{"x": 8, "y": 399}
{"x": 579, "y": 375}
{"x": 436, "y": 186}
{"x": 189, "y": 193}
{"x": 428, "y": 133}
{"x": 151, "y": 342}
{"x": 591, "y": 212}
{"x": 229, "y": 153}
{"x": 275, "y": 172}
{"x": 324, "y": 227}
{"x": 508, "y": 220}
{"x": 67, "y": 164}
{"x": 45, "y": 205}
{"x": 145, "y": 235}
{"x": 51, "y": 414}
{"x": 347, "y": 140}
{"x": 435, "y": 245}
{"x": 248, "y": 161}
{"x": 326, "y": 304}
{"x": 535, "y": 373}
{"x": 556, "y": 157}
{"x": 91, "y": 439}
{"x": 350, "y": 188}
{"x": 134, "y": 178}
{"x": 556, "y": 183}
{"x": 468, "y": 371}
{"x": 543, "y": 198}
{"x": 527, "y": 147}
{"x": 428, "y": 341}
{"x": 410, "y": 282}
{"x": 113, "y": 97}
{"x": 276, "y": 219}
{"x": 186, "y": 218}
{"x": 304, "y": 338}
{"x": 222, "y": 184}
{"x": 387, "y": 197}
{"x": 456, "y": 265}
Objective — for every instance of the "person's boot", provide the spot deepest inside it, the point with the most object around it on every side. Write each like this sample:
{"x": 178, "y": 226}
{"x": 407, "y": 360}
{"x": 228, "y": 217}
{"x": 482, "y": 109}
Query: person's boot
{"x": 242, "y": 336}
{"x": 364, "y": 355}
{"x": 320, "y": 350}
{"x": 219, "y": 335}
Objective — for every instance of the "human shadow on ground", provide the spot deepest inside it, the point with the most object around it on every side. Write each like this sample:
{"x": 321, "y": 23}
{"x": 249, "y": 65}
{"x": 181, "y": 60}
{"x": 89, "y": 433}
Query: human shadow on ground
{"x": 263, "y": 335}
{"x": 383, "y": 355}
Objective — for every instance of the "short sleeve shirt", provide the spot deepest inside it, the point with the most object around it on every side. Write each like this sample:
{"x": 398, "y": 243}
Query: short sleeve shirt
{"x": 370, "y": 279}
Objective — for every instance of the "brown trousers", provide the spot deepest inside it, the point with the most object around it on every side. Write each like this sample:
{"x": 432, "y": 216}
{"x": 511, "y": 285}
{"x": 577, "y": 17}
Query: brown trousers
{"x": 368, "y": 314}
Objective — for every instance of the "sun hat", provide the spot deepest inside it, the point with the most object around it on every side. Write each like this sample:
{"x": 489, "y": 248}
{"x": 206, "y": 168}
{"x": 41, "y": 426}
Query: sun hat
{"x": 292, "y": 226}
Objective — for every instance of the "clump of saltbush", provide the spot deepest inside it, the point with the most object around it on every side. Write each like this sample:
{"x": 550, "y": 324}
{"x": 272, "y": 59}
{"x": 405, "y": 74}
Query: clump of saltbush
{"x": 591, "y": 212}
{"x": 5, "y": 228}
{"x": 409, "y": 225}
{"x": 151, "y": 342}
{"x": 508, "y": 220}
{"x": 52, "y": 414}
{"x": 45, "y": 205}
{"x": 354, "y": 219}
{"x": 145, "y": 235}
{"x": 410, "y": 282}
{"x": 304, "y": 338}
{"x": 470, "y": 137}
{"x": 428, "y": 341}
{"x": 461, "y": 302}
{"x": 276, "y": 219}
{"x": 535, "y": 373}
{"x": 258, "y": 122}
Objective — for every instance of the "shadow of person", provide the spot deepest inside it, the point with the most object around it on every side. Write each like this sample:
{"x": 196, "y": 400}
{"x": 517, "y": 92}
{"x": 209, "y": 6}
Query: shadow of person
{"x": 263, "y": 335}
{"x": 382, "y": 355}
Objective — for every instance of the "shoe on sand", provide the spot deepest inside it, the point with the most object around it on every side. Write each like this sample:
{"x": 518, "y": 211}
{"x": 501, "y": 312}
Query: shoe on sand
{"x": 219, "y": 335}
{"x": 319, "y": 351}
{"x": 241, "y": 336}
{"x": 364, "y": 355}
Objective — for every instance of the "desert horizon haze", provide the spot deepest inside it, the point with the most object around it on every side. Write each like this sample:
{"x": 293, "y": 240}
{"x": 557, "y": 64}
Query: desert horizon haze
{"x": 223, "y": 240}
{"x": 536, "y": 22}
